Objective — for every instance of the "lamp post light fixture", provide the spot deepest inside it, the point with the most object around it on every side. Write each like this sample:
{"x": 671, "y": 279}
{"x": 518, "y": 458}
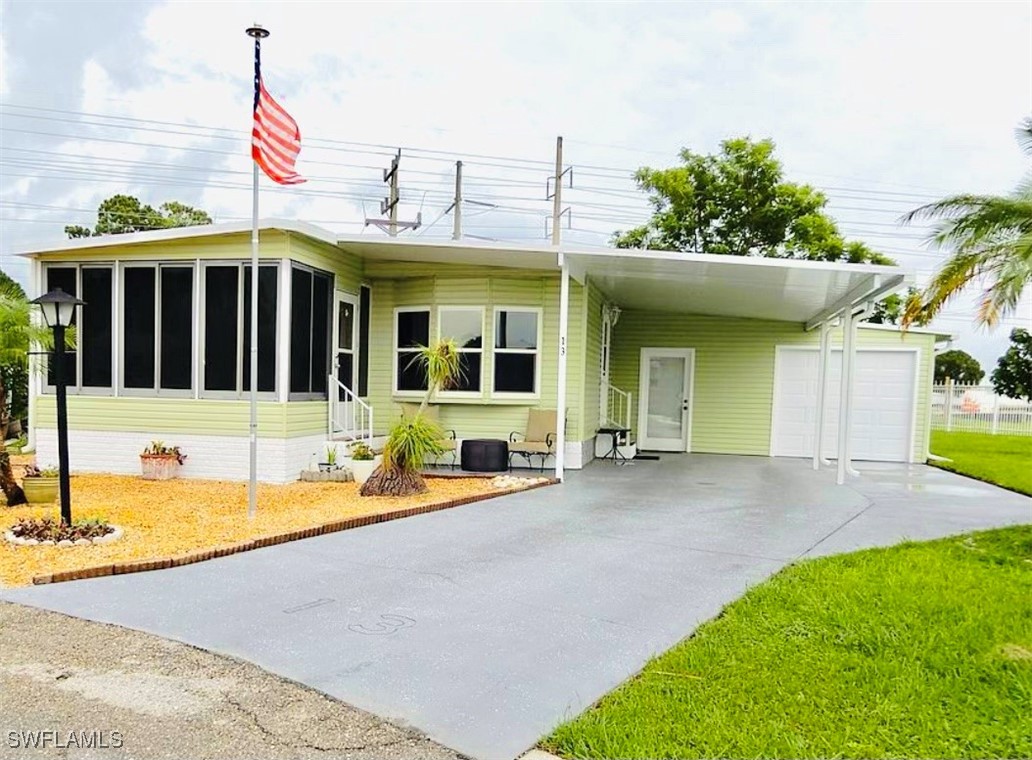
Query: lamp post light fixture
{"x": 58, "y": 310}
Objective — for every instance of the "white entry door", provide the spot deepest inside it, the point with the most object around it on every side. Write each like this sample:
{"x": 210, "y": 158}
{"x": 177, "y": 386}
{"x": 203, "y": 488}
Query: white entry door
{"x": 665, "y": 404}
{"x": 884, "y": 399}
{"x": 345, "y": 360}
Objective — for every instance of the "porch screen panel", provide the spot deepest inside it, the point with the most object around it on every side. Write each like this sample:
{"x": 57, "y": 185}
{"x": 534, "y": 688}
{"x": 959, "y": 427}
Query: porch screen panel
{"x": 322, "y": 291}
{"x": 64, "y": 278}
{"x": 300, "y": 330}
{"x": 138, "y": 323}
{"x": 267, "y": 303}
{"x": 95, "y": 330}
{"x": 176, "y": 328}
{"x": 221, "y": 315}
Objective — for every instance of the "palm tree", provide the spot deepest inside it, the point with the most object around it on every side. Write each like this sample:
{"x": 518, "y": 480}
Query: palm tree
{"x": 413, "y": 440}
{"x": 990, "y": 238}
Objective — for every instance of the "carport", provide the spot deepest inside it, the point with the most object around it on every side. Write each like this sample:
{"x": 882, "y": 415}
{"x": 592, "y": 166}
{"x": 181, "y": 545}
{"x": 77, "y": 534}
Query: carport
{"x": 816, "y": 295}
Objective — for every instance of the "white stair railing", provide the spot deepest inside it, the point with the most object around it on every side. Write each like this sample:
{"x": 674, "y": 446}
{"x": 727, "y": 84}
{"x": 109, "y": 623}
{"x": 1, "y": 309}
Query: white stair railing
{"x": 618, "y": 407}
{"x": 349, "y": 417}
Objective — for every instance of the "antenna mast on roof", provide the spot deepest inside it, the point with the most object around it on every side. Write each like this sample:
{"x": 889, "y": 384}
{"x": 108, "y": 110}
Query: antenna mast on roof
{"x": 389, "y": 205}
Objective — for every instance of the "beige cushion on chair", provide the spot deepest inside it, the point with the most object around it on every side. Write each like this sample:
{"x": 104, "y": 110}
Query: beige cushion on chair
{"x": 448, "y": 444}
{"x": 530, "y": 447}
{"x": 540, "y": 423}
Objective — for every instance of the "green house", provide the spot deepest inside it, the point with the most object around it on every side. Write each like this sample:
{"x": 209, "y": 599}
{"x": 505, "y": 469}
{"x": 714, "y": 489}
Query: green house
{"x": 671, "y": 352}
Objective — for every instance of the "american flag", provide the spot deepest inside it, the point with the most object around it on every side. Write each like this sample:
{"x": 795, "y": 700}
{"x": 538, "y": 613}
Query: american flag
{"x": 275, "y": 138}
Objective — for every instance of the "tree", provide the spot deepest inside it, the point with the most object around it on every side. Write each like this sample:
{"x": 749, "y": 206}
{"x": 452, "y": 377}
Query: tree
{"x": 890, "y": 310}
{"x": 17, "y": 333}
{"x": 959, "y": 366}
{"x": 414, "y": 439}
{"x": 990, "y": 239}
{"x": 738, "y": 203}
{"x": 124, "y": 213}
{"x": 1013, "y": 374}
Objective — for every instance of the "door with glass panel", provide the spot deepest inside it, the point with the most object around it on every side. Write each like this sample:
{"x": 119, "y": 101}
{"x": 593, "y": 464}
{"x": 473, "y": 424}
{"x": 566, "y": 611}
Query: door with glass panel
{"x": 665, "y": 399}
{"x": 345, "y": 358}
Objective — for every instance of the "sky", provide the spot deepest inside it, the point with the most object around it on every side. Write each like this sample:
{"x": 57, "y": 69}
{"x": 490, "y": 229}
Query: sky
{"x": 883, "y": 105}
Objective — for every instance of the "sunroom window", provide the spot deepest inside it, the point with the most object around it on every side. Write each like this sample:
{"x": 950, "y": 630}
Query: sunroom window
{"x": 89, "y": 366}
{"x": 516, "y": 347}
{"x": 465, "y": 326}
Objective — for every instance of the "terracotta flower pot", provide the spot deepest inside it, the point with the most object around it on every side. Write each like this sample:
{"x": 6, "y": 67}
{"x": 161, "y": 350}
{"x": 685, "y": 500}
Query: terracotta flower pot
{"x": 159, "y": 466}
{"x": 40, "y": 490}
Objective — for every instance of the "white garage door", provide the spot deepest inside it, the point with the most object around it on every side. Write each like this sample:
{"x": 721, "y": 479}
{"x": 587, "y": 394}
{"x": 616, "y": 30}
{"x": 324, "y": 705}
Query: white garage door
{"x": 883, "y": 407}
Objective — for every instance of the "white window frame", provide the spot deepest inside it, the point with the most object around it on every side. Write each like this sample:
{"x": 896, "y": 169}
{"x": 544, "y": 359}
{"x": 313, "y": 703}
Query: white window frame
{"x": 537, "y": 352}
{"x": 395, "y": 350}
{"x": 483, "y": 339}
{"x": 76, "y": 387}
{"x": 201, "y": 291}
{"x": 155, "y": 390}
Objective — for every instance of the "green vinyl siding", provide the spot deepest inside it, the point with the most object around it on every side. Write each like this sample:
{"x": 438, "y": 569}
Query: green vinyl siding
{"x": 733, "y": 387}
{"x": 592, "y": 319}
{"x": 346, "y": 267}
{"x": 235, "y": 246}
{"x": 166, "y": 415}
{"x": 405, "y": 284}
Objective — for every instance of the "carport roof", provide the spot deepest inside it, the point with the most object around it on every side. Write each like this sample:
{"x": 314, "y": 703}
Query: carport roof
{"x": 690, "y": 283}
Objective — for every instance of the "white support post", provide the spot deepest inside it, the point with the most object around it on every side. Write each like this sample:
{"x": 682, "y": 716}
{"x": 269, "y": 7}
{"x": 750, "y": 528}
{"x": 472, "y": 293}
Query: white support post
{"x": 560, "y": 406}
{"x": 822, "y": 389}
{"x": 845, "y": 396}
{"x": 283, "y": 333}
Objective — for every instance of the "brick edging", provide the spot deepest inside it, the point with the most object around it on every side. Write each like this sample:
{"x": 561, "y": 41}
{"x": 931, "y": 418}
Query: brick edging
{"x": 202, "y": 555}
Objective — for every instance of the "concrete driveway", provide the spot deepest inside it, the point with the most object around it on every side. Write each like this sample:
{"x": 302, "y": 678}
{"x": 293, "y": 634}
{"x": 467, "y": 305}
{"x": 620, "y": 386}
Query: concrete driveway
{"x": 486, "y": 625}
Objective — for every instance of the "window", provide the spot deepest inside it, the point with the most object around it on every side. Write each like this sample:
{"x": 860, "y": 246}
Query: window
{"x": 310, "y": 312}
{"x": 412, "y": 331}
{"x": 465, "y": 325}
{"x": 227, "y": 329}
{"x": 89, "y": 364}
{"x": 158, "y": 328}
{"x": 516, "y": 345}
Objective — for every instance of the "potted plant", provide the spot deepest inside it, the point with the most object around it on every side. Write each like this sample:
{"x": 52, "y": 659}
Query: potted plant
{"x": 363, "y": 462}
{"x": 161, "y": 462}
{"x": 330, "y": 463}
{"x": 40, "y": 484}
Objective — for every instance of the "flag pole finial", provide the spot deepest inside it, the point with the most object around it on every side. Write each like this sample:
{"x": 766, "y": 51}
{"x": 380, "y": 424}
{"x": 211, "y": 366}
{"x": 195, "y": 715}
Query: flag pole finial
{"x": 257, "y": 31}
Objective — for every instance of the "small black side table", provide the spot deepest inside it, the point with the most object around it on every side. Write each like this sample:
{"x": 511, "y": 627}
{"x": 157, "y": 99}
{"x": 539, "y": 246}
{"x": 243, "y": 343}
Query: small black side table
{"x": 485, "y": 455}
{"x": 614, "y": 452}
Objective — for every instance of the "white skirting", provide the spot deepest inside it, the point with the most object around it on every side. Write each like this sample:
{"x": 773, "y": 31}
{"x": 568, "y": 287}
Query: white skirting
{"x": 280, "y": 460}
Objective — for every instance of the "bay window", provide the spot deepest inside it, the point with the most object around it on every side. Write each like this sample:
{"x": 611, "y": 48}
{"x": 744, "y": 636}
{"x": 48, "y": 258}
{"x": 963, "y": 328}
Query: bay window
{"x": 517, "y": 341}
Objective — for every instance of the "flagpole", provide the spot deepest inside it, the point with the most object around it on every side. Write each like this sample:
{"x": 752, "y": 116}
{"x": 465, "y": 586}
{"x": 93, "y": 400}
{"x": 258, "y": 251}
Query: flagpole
{"x": 258, "y": 33}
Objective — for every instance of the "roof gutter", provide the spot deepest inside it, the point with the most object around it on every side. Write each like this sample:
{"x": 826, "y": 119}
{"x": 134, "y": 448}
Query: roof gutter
{"x": 872, "y": 289}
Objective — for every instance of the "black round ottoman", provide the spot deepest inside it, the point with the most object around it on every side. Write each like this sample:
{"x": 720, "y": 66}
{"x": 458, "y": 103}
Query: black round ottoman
{"x": 485, "y": 455}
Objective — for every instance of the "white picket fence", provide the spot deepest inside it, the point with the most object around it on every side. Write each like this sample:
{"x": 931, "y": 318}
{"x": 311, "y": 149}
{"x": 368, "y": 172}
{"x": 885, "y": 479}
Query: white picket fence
{"x": 978, "y": 409}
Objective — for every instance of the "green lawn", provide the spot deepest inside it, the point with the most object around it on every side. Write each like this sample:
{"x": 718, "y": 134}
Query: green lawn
{"x": 1002, "y": 459}
{"x": 920, "y": 650}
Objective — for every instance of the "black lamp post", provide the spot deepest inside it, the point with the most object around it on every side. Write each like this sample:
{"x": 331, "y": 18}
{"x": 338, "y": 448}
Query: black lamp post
{"x": 58, "y": 310}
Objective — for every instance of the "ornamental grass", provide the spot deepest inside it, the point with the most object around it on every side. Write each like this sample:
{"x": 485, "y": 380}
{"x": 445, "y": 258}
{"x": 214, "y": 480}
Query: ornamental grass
{"x": 167, "y": 518}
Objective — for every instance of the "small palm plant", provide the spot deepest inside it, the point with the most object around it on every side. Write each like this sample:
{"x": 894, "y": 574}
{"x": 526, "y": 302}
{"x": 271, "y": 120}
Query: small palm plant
{"x": 412, "y": 440}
